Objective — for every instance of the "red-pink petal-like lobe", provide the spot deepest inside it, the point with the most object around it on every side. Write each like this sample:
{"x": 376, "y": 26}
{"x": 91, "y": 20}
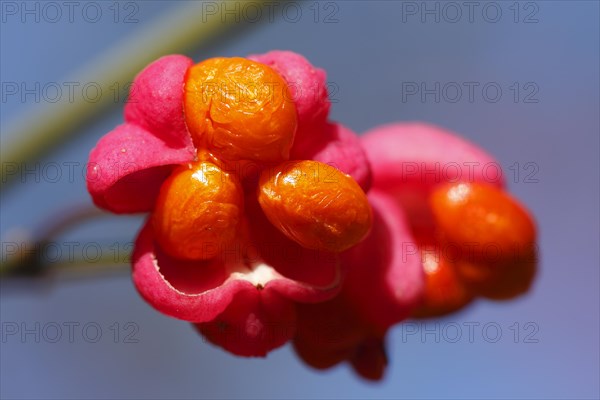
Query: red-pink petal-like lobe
{"x": 328, "y": 333}
{"x": 385, "y": 279}
{"x": 307, "y": 84}
{"x": 316, "y": 139}
{"x": 255, "y": 323}
{"x": 384, "y": 282}
{"x": 156, "y": 100}
{"x": 370, "y": 359}
{"x": 320, "y": 356}
{"x": 304, "y": 275}
{"x": 335, "y": 144}
{"x": 198, "y": 291}
{"x": 128, "y": 166}
{"x": 333, "y": 323}
{"x": 332, "y": 332}
{"x": 425, "y": 155}
{"x": 409, "y": 160}
{"x": 193, "y": 291}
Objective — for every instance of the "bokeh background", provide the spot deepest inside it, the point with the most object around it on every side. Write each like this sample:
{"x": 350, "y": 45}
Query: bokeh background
{"x": 543, "y": 128}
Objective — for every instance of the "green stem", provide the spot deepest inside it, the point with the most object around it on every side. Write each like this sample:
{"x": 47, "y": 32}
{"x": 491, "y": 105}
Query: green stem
{"x": 180, "y": 31}
{"x": 27, "y": 256}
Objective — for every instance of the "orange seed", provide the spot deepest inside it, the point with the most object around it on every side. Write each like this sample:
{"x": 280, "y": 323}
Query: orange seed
{"x": 445, "y": 292}
{"x": 240, "y": 109}
{"x": 484, "y": 221}
{"x": 315, "y": 204}
{"x": 197, "y": 211}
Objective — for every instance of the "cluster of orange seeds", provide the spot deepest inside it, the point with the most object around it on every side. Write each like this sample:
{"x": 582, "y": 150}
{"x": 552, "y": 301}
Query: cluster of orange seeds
{"x": 238, "y": 110}
{"x": 484, "y": 245}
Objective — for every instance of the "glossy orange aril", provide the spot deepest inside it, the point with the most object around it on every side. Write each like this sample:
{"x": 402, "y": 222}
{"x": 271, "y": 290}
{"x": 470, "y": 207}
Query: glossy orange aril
{"x": 501, "y": 280}
{"x": 495, "y": 234}
{"x": 240, "y": 110}
{"x": 197, "y": 211}
{"x": 315, "y": 204}
{"x": 445, "y": 292}
{"x": 484, "y": 221}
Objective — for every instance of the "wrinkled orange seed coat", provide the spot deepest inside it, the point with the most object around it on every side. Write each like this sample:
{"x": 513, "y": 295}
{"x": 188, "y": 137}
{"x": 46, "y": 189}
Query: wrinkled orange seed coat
{"x": 315, "y": 204}
{"x": 240, "y": 110}
{"x": 197, "y": 211}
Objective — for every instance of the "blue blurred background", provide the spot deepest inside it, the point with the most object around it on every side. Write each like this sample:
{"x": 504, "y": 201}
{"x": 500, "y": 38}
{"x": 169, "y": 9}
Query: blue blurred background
{"x": 543, "y": 127}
